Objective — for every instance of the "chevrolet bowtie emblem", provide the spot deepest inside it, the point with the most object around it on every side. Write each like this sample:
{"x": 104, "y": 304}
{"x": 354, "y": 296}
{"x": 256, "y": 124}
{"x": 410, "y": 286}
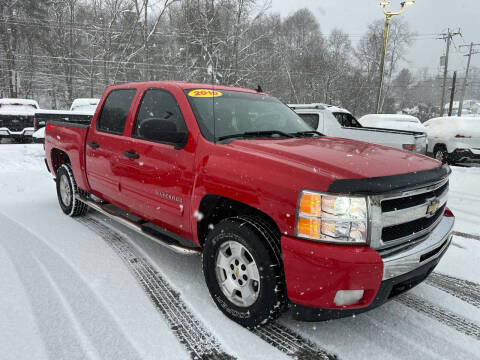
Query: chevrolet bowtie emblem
{"x": 433, "y": 207}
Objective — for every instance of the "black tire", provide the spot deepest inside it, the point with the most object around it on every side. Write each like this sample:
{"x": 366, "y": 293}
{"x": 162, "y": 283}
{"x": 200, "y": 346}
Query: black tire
{"x": 440, "y": 153}
{"x": 263, "y": 244}
{"x": 73, "y": 207}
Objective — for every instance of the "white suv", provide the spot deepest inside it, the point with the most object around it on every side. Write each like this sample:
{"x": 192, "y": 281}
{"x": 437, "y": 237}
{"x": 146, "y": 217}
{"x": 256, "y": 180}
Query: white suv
{"x": 454, "y": 139}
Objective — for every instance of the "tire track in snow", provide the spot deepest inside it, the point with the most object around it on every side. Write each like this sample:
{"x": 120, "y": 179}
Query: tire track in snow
{"x": 290, "y": 343}
{"x": 198, "y": 341}
{"x": 462, "y": 289}
{"x": 441, "y": 314}
{"x": 467, "y": 236}
{"x": 186, "y": 327}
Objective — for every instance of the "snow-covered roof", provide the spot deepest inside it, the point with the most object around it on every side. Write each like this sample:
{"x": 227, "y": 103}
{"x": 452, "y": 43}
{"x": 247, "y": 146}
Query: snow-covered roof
{"x": 450, "y": 126}
{"x": 23, "y": 107}
{"x": 392, "y": 121}
{"x": 11, "y": 101}
{"x": 84, "y": 104}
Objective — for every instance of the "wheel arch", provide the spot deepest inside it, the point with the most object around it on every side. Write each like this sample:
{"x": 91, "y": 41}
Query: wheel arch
{"x": 215, "y": 208}
{"x": 58, "y": 157}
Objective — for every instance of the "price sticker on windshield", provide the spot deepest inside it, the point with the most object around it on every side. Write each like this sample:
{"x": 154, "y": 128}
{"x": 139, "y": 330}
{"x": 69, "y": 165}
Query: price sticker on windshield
{"x": 204, "y": 93}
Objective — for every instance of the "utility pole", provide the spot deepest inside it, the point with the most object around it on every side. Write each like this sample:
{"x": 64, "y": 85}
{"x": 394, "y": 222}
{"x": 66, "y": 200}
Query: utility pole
{"x": 452, "y": 94}
{"x": 448, "y": 36}
{"x": 464, "y": 87}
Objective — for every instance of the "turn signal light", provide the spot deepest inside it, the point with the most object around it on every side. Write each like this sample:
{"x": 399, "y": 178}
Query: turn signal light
{"x": 409, "y": 147}
{"x": 311, "y": 204}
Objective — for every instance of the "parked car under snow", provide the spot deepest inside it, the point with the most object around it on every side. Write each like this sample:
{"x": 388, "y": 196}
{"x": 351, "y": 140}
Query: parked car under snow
{"x": 454, "y": 139}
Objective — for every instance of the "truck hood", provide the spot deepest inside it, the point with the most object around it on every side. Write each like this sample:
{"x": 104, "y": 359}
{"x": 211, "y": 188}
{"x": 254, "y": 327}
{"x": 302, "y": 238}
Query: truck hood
{"x": 338, "y": 158}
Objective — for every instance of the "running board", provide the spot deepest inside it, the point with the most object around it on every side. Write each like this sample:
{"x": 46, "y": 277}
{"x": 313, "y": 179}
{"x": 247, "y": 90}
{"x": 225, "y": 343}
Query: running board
{"x": 137, "y": 227}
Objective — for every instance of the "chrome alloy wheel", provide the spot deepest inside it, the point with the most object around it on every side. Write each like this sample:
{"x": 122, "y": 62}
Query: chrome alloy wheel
{"x": 237, "y": 274}
{"x": 65, "y": 192}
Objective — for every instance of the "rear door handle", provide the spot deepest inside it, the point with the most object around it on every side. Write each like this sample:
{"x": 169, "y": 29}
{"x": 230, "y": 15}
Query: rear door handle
{"x": 131, "y": 154}
{"x": 93, "y": 145}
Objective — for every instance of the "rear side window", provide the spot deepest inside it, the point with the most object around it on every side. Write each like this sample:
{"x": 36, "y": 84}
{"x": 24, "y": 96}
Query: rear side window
{"x": 159, "y": 118}
{"x": 311, "y": 119}
{"x": 347, "y": 120}
{"x": 115, "y": 111}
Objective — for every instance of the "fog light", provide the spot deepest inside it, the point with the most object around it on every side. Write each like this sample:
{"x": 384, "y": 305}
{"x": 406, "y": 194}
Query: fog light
{"x": 348, "y": 297}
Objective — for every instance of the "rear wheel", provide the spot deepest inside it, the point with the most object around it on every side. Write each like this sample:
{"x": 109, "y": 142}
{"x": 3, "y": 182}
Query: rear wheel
{"x": 441, "y": 154}
{"x": 243, "y": 270}
{"x": 66, "y": 191}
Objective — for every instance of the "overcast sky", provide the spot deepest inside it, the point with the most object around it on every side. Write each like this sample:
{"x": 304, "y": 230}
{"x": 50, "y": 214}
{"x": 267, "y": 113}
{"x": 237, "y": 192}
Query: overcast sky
{"x": 426, "y": 17}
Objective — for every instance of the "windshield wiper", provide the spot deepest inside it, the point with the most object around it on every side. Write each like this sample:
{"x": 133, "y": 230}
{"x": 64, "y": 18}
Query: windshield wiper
{"x": 250, "y": 134}
{"x": 309, "y": 132}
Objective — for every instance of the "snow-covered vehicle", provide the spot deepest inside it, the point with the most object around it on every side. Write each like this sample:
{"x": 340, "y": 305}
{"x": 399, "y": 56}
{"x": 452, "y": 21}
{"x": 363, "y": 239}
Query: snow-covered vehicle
{"x": 337, "y": 122}
{"x": 16, "y": 119}
{"x": 85, "y": 105}
{"x": 81, "y": 112}
{"x": 393, "y": 122}
{"x": 454, "y": 139}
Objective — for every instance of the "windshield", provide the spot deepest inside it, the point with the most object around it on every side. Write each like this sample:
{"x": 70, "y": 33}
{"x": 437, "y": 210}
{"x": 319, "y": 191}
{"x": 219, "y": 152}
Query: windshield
{"x": 238, "y": 113}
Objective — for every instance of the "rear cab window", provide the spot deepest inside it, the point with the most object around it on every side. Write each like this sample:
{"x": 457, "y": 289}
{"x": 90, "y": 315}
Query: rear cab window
{"x": 115, "y": 111}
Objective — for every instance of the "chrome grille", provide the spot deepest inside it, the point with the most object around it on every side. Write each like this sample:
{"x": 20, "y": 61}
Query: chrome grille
{"x": 401, "y": 220}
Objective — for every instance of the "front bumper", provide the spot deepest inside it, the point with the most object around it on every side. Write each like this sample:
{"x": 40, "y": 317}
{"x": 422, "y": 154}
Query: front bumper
{"x": 314, "y": 272}
{"x": 7, "y": 133}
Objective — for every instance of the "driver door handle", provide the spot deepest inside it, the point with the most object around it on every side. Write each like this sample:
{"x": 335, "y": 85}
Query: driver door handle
{"x": 131, "y": 154}
{"x": 93, "y": 145}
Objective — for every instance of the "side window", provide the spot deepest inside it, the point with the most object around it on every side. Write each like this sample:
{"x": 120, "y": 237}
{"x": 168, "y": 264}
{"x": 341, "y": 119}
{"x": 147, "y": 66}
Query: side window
{"x": 311, "y": 119}
{"x": 159, "y": 119}
{"x": 115, "y": 111}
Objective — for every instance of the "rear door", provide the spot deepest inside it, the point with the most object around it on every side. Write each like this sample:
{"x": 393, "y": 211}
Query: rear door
{"x": 158, "y": 183}
{"x": 106, "y": 143}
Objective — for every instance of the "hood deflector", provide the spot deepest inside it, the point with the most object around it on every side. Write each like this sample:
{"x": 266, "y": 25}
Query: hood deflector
{"x": 387, "y": 184}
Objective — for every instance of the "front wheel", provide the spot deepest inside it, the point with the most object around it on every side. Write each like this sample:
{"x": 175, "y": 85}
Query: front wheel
{"x": 441, "y": 155}
{"x": 244, "y": 272}
{"x": 66, "y": 191}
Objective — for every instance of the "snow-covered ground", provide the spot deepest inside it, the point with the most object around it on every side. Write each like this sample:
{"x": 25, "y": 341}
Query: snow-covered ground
{"x": 92, "y": 289}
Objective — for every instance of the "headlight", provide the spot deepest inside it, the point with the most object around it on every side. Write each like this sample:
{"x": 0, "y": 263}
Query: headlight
{"x": 338, "y": 219}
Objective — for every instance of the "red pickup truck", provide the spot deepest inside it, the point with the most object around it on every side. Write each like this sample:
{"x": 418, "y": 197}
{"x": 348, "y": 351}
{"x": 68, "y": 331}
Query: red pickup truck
{"x": 282, "y": 215}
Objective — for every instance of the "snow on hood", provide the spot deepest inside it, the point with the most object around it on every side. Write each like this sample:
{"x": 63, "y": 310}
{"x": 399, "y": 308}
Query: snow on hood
{"x": 393, "y": 122}
{"x": 39, "y": 134}
{"x": 24, "y": 107}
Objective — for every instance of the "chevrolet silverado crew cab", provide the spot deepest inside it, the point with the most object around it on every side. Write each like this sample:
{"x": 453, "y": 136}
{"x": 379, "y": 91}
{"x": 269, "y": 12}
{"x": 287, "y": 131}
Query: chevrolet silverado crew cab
{"x": 16, "y": 119}
{"x": 334, "y": 121}
{"x": 282, "y": 215}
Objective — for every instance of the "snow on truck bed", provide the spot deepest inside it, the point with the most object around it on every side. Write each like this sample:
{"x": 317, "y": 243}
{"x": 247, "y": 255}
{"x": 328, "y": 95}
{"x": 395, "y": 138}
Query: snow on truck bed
{"x": 392, "y": 121}
{"x": 82, "y": 289}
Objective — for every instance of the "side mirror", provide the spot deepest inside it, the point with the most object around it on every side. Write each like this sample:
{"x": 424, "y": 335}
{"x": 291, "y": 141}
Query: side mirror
{"x": 162, "y": 130}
